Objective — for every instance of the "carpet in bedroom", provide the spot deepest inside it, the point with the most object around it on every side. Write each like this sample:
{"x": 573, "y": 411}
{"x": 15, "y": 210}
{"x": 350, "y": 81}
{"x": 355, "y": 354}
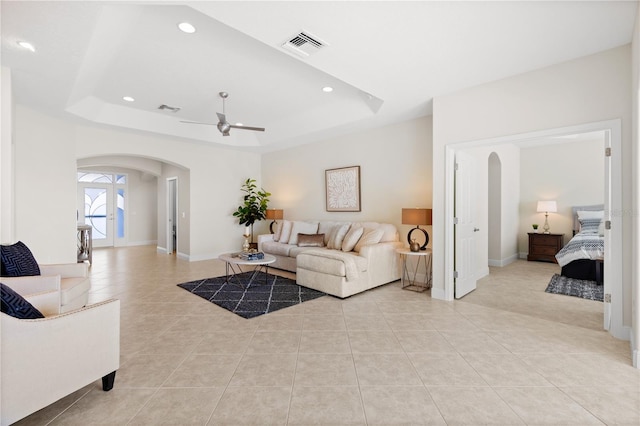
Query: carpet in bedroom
{"x": 248, "y": 295}
{"x": 573, "y": 287}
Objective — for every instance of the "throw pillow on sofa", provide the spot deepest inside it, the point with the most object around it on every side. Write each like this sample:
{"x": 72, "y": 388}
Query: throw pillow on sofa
{"x": 352, "y": 237}
{"x": 369, "y": 237}
{"x": 310, "y": 240}
{"x": 300, "y": 227}
{"x": 285, "y": 232}
{"x": 18, "y": 261}
{"x": 12, "y": 304}
{"x": 337, "y": 235}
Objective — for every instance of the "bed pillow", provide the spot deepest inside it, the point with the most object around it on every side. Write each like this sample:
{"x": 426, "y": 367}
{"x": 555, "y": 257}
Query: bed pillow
{"x": 310, "y": 240}
{"x": 12, "y": 304}
{"x": 18, "y": 261}
{"x": 590, "y": 226}
{"x": 590, "y": 214}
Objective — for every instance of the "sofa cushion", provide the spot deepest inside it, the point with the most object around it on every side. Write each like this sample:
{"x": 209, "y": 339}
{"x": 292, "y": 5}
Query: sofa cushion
{"x": 352, "y": 237}
{"x": 300, "y": 227}
{"x": 337, "y": 235}
{"x": 276, "y": 248}
{"x": 12, "y": 304}
{"x": 369, "y": 237}
{"x": 310, "y": 240}
{"x": 18, "y": 261}
{"x": 285, "y": 232}
{"x": 330, "y": 266}
{"x": 296, "y": 250}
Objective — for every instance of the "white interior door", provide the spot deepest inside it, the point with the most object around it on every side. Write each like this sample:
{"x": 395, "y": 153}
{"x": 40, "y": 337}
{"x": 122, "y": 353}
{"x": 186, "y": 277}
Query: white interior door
{"x": 464, "y": 227}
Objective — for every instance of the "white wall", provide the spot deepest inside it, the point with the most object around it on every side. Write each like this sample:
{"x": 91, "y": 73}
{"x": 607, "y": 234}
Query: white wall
{"x": 395, "y": 164}
{"x": 586, "y": 90}
{"x": 6, "y": 158}
{"x": 216, "y": 175}
{"x": 570, "y": 173}
{"x": 635, "y": 183}
{"x": 45, "y": 186}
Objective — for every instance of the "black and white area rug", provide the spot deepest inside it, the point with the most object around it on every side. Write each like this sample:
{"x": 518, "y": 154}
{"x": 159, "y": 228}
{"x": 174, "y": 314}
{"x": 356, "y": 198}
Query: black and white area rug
{"x": 573, "y": 287}
{"x": 248, "y": 295}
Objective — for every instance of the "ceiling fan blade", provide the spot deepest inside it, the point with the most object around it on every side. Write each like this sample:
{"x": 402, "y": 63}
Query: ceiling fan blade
{"x": 257, "y": 129}
{"x": 198, "y": 122}
{"x": 221, "y": 117}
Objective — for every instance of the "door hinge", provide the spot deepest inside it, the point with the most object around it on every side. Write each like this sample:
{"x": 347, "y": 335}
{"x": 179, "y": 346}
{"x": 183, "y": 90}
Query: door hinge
{"x": 607, "y": 298}
{"x": 455, "y": 166}
{"x": 607, "y": 224}
{"x": 455, "y": 220}
{"x": 607, "y": 152}
{"x": 455, "y": 274}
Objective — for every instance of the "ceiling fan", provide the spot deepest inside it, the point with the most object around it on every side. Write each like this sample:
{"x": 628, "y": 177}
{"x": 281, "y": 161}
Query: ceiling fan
{"x": 223, "y": 125}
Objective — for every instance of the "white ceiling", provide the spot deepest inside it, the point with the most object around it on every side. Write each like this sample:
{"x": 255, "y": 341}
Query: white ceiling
{"x": 385, "y": 60}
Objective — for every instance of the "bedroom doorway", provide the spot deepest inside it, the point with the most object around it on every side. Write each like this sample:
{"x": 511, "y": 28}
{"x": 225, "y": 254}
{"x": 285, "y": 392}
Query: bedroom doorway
{"x": 613, "y": 305}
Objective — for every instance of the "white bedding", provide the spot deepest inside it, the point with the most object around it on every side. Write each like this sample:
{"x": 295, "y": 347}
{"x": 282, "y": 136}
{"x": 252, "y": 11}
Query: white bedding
{"x": 582, "y": 246}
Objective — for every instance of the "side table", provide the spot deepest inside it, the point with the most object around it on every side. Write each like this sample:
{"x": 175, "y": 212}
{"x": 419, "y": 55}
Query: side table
{"x": 409, "y": 277}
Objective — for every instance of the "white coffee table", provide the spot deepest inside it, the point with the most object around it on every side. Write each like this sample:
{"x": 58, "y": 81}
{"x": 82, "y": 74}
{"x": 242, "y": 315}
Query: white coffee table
{"x": 234, "y": 264}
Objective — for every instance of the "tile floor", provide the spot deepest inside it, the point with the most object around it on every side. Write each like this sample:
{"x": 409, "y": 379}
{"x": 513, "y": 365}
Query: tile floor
{"x": 507, "y": 354}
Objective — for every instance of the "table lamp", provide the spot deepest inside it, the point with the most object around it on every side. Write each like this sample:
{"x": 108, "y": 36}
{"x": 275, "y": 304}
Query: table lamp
{"x": 274, "y": 215}
{"x": 417, "y": 217}
{"x": 547, "y": 207}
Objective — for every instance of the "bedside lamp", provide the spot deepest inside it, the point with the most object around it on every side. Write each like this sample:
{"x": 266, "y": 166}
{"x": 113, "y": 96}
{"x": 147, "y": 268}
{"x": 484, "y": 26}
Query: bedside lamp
{"x": 547, "y": 207}
{"x": 274, "y": 215}
{"x": 417, "y": 217}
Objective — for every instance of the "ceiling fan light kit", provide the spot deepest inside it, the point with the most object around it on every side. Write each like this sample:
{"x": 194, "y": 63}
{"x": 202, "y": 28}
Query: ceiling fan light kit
{"x": 223, "y": 125}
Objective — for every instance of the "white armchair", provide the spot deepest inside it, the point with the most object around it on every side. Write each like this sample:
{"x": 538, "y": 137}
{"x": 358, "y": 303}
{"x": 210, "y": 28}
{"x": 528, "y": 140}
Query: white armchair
{"x": 43, "y": 360}
{"x": 73, "y": 278}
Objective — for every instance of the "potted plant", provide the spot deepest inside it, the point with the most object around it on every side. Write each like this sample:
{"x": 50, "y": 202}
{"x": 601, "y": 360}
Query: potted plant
{"x": 255, "y": 205}
{"x": 535, "y": 227}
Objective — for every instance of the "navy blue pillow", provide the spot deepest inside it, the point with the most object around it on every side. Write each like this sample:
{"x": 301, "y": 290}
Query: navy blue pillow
{"x": 11, "y": 303}
{"x": 18, "y": 261}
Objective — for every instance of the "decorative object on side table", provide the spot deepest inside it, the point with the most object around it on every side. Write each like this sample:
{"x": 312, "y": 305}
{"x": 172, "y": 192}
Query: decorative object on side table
{"x": 343, "y": 189}
{"x": 417, "y": 217}
{"x": 274, "y": 215}
{"x": 535, "y": 227}
{"x": 254, "y": 207}
{"x": 547, "y": 207}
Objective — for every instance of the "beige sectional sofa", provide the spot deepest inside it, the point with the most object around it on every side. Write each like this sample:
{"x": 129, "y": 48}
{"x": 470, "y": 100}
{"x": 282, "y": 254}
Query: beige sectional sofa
{"x": 338, "y": 258}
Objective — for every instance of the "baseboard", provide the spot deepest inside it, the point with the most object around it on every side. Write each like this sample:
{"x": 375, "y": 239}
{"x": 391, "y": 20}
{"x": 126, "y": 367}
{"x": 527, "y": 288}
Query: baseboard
{"x": 506, "y": 261}
{"x": 183, "y": 256}
{"x": 142, "y": 243}
{"x": 523, "y": 255}
{"x": 161, "y": 250}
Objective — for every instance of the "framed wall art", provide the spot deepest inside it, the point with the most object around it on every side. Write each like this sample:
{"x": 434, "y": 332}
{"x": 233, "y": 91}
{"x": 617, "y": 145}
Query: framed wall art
{"x": 343, "y": 189}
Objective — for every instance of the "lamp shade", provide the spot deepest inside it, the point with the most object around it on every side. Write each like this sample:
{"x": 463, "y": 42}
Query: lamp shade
{"x": 416, "y": 216}
{"x": 547, "y": 206}
{"x": 275, "y": 214}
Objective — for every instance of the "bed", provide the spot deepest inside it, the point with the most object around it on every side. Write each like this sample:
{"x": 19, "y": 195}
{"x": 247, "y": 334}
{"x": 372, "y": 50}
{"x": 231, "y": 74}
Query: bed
{"x": 582, "y": 257}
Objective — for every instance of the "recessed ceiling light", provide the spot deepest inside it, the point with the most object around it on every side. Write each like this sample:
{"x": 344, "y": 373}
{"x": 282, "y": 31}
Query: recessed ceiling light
{"x": 128, "y": 98}
{"x": 327, "y": 89}
{"x": 186, "y": 27}
{"x": 26, "y": 45}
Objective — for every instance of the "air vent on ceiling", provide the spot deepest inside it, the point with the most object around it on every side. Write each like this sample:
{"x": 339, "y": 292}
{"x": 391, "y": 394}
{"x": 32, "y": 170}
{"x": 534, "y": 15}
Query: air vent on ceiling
{"x": 303, "y": 44}
{"x": 169, "y": 108}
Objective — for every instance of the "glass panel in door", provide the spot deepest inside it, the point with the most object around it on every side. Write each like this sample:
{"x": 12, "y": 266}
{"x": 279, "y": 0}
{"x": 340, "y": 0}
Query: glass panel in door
{"x": 98, "y": 212}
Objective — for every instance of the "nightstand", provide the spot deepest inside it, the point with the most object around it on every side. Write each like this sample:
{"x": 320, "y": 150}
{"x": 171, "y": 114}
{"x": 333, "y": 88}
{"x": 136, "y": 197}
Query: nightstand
{"x": 543, "y": 247}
